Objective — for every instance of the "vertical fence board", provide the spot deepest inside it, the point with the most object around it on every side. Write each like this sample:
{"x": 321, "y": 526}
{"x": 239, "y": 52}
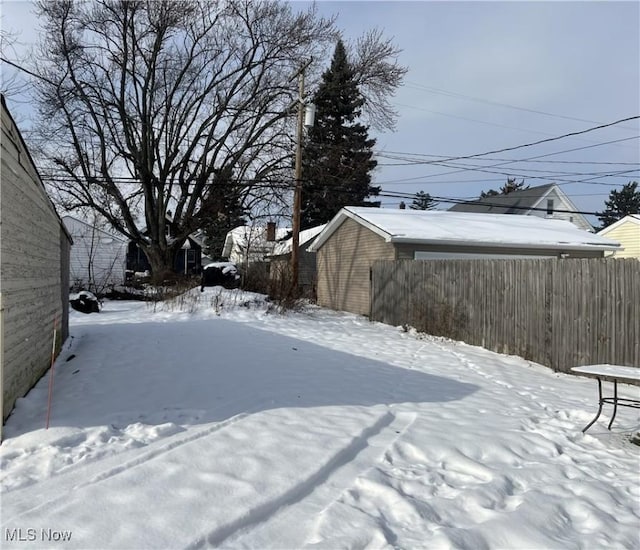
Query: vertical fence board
{"x": 560, "y": 313}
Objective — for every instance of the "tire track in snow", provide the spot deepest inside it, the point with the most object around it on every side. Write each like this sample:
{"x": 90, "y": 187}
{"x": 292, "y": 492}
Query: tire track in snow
{"x": 22, "y": 499}
{"x": 310, "y": 497}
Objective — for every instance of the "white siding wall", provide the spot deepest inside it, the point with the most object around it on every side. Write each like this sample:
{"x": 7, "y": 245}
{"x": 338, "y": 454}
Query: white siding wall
{"x": 558, "y": 203}
{"x": 32, "y": 262}
{"x": 97, "y": 258}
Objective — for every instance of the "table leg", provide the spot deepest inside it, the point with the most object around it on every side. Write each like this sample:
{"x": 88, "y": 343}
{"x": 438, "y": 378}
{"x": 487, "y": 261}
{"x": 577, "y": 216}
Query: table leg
{"x": 599, "y": 407}
{"x": 615, "y": 403}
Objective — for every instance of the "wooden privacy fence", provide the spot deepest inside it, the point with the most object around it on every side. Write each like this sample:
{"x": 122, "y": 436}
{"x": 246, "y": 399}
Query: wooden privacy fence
{"x": 560, "y": 313}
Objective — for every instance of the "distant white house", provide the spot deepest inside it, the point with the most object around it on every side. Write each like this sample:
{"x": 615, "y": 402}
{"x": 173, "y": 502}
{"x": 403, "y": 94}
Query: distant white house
{"x": 249, "y": 244}
{"x": 98, "y": 257}
{"x": 543, "y": 201}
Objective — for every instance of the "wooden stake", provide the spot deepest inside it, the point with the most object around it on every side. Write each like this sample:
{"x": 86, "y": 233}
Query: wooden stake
{"x": 53, "y": 358}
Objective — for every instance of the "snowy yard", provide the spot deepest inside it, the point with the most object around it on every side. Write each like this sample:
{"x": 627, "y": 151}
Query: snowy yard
{"x": 224, "y": 426}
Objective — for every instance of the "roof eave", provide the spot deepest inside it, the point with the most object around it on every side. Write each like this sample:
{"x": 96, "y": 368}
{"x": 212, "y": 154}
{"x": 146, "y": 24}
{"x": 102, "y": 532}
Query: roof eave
{"x": 490, "y": 244}
{"x": 629, "y": 218}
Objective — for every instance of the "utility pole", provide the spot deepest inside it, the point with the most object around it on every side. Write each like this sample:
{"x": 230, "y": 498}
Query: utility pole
{"x": 297, "y": 193}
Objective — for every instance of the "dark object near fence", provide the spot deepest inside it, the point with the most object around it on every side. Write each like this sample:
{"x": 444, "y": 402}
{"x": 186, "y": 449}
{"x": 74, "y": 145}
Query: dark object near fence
{"x": 223, "y": 274}
{"x": 86, "y": 302}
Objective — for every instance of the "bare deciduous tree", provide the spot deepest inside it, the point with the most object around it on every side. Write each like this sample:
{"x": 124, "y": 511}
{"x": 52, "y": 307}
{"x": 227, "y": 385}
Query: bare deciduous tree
{"x": 10, "y": 82}
{"x": 149, "y": 105}
{"x": 378, "y": 75}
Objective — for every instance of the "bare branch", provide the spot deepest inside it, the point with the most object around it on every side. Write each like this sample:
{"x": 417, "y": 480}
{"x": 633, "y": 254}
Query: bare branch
{"x": 378, "y": 73}
{"x": 147, "y": 104}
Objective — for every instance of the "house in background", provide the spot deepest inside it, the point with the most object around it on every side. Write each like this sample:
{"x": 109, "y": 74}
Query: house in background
{"x": 280, "y": 259}
{"x": 187, "y": 260}
{"x": 356, "y": 237}
{"x": 544, "y": 201}
{"x": 627, "y": 232}
{"x": 251, "y": 244}
{"x": 34, "y": 270}
{"x": 98, "y": 257}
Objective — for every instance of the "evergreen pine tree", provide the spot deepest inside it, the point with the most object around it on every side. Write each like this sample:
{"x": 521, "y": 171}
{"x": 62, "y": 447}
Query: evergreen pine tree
{"x": 620, "y": 204}
{"x": 423, "y": 201}
{"x": 337, "y": 155}
{"x": 510, "y": 186}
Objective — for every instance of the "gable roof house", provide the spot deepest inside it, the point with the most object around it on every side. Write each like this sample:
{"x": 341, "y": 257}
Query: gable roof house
{"x": 34, "y": 270}
{"x": 356, "y": 237}
{"x": 280, "y": 259}
{"x": 627, "y": 232}
{"x": 545, "y": 201}
{"x": 249, "y": 244}
{"x": 97, "y": 257}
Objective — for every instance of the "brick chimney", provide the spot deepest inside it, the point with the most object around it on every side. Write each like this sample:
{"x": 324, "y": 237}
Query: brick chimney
{"x": 271, "y": 231}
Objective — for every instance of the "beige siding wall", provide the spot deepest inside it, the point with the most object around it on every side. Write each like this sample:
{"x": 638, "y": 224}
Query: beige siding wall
{"x": 628, "y": 235}
{"x": 32, "y": 262}
{"x": 343, "y": 264}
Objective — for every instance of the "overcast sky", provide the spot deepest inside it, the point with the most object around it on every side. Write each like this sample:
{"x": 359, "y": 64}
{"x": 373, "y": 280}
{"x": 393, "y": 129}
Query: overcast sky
{"x": 491, "y": 75}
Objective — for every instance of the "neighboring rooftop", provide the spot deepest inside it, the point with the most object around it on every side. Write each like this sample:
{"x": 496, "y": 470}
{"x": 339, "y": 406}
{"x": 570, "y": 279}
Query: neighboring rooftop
{"x": 633, "y": 218}
{"x": 464, "y": 228}
{"x": 306, "y": 236}
{"x": 516, "y": 202}
{"x": 250, "y": 241}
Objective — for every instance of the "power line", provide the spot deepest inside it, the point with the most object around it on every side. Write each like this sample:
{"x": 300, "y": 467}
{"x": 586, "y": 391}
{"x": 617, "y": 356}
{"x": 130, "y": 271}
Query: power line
{"x": 448, "y": 157}
{"x": 450, "y": 200}
{"x": 473, "y": 120}
{"x": 520, "y": 174}
{"x": 559, "y": 173}
{"x": 487, "y": 122}
{"x": 493, "y": 159}
{"x": 24, "y": 70}
{"x": 440, "y": 91}
{"x": 382, "y": 193}
{"x": 532, "y": 144}
{"x": 510, "y": 162}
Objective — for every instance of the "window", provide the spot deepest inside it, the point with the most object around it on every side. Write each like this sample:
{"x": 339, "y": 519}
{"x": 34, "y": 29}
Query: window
{"x": 549, "y": 207}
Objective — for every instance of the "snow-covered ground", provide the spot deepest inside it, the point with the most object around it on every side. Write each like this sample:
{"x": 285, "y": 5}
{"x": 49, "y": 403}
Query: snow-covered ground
{"x": 209, "y": 422}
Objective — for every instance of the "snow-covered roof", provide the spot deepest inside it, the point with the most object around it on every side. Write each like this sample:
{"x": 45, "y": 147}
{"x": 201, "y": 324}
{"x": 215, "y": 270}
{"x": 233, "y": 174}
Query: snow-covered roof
{"x": 71, "y": 223}
{"x": 468, "y": 229}
{"x": 306, "y": 236}
{"x": 219, "y": 265}
{"x": 515, "y": 202}
{"x": 251, "y": 237}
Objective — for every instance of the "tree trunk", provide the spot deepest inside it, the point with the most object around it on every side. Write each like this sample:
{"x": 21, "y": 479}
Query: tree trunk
{"x": 161, "y": 262}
